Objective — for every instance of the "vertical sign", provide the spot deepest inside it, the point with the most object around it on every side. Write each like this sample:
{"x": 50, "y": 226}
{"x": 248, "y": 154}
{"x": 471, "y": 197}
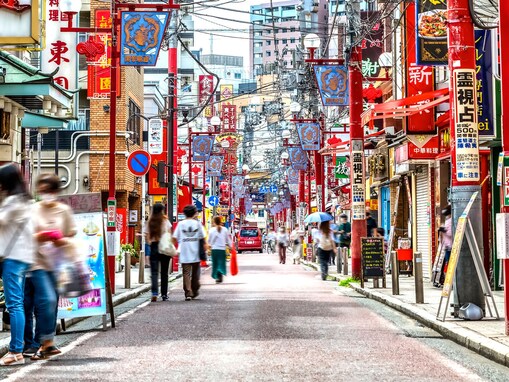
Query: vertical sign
{"x": 505, "y": 175}
{"x": 155, "y": 136}
{"x": 358, "y": 181}
{"x": 372, "y": 45}
{"x": 431, "y": 41}
{"x": 205, "y": 88}
{"x": 60, "y": 52}
{"x": 342, "y": 169}
{"x": 229, "y": 119}
{"x": 484, "y": 85}
{"x": 465, "y": 122}
{"x": 226, "y": 92}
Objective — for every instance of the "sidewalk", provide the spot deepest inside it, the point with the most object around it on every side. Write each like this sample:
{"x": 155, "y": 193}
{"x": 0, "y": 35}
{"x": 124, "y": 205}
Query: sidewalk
{"x": 486, "y": 337}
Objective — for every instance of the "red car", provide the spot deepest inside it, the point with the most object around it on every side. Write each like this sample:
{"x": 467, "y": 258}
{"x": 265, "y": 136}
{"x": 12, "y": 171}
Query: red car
{"x": 249, "y": 239}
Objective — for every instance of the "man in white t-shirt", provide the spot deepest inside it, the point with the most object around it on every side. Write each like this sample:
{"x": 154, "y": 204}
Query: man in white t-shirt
{"x": 188, "y": 234}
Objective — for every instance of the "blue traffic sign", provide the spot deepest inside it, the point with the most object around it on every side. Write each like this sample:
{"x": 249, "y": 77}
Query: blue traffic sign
{"x": 273, "y": 188}
{"x": 263, "y": 189}
{"x": 138, "y": 162}
{"x": 213, "y": 200}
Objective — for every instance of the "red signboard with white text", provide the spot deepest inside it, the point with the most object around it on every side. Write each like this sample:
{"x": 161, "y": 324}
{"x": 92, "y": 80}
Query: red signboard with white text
{"x": 205, "y": 88}
{"x": 229, "y": 119}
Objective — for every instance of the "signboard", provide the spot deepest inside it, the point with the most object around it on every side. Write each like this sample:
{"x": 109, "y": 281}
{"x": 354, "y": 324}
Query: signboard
{"x": 465, "y": 122}
{"x": 431, "y": 32}
{"x": 205, "y": 88}
{"x": 293, "y": 176}
{"x": 372, "y": 45}
{"x": 155, "y": 136}
{"x": 112, "y": 212}
{"x": 422, "y": 146}
{"x": 141, "y": 35}
{"x": 298, "y": 158}
{"x": 332, "y": 83}
{"x": 372, "y": 256}
{"x": 202, "y": 147}
{"x": 229, "y": 121}
{"x": 226, "y": 92}
{"x": 214, "y": 165}
{"x": 505, "y": 173}
{"x": 358, "y": 181}
{"x": 502, "y": 226}
{"x": 20, "y": 22}
{"x": 342, "y": 168}
{"x": 133, "y": 216}
{"x": 213, "y": 200}
{"x": 138, "y": 162}
{"x": 309, "y": 135}
{"x": 484, "y": 84}
{"x": 154, "y": 188}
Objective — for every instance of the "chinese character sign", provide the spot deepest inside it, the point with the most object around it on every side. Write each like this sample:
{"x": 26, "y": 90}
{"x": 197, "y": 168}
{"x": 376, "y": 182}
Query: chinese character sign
{"x": 342, "y": 169}
{"x": 229, "y": 120}
{"x": 431, "y": 32}
{"x": 465, "y": 122}
{"x": 309, "y": 135}
{"x": 484, "y": 69}
{"x": 141, "y": 34}
{"x": 358, "y": 182}
{"x": 205, "y": 88}
{"x": 298, "y": 158}
{"x": 202, "y": 146}
{"x": 332, "y": 83}
{"x": 372, "y": 46}
{"x": 60, "y": 52}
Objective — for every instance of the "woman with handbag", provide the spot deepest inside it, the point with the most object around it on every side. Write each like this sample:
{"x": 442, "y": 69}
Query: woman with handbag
{"x": 158, "y": 224}
{"x": 295, "y": 238}
{"x": 326, "y": 247}
{"x": 219, "y": 239}
{"x": 17, "y": 253}
{"x": 282, "y": 243}
{"x": 190, "y": 236}
{"x": 54, "y": 227}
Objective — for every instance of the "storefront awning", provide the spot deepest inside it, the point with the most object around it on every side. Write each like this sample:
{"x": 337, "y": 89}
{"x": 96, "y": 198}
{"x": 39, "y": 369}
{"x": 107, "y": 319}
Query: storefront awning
{"x": 39, "y": 121}
{"x": 406, "y": 106}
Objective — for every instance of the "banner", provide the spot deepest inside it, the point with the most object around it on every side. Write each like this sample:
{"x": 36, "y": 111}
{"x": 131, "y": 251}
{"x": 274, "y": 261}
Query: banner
{"x": 294, "y": 189}
{"x": 214, "y": 165}
{"x": 372, "y": 45}
{"x": 205, "y": 88}
{"x": 141, "y": 34}
{"x": 293, "y": 176}
{"x": 485, "y": 84}
{"x": 229, "y": 120}
{"x": 358, "y": 182}
{"x": 309, "y": 134}
{"x": 431, "y": 32}
{"x": 298, "y": 158}
{"x": 237, "y": 183}
{"x": 332, "y": 83}
{"x": 202, "y": 147}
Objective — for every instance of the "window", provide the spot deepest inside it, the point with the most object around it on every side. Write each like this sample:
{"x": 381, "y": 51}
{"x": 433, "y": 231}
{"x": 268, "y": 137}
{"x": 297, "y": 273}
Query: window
{"x": 292, "y": 41}
{"x": 285, "y": 41}
{"x": 259, "y": 33}
{"x": 292, "y": 29}
{"x": 268, "y": 53}
{"x": 285, "y": 30}
{"x": 268, "y": 42}
{"x": 277, "y": 42}
{"x": 5, "y": 125}
{"x": 134, "y": 123}
{"x": 237, "y": 76}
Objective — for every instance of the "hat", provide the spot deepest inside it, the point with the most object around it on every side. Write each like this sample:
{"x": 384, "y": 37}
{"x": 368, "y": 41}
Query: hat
{"x": 446, "y": 211}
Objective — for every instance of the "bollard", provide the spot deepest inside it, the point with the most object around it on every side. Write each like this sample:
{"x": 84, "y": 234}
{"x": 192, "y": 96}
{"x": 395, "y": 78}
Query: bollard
{"x": 339, "y": 259}
{"x": 345, "y": 261}
{"x": 395, "y": 273}
{"x": 375, "y": 283}
{"x": 419, "y": 288}
{"x": 127, "y": 270}
{"x": 141, "y": 273}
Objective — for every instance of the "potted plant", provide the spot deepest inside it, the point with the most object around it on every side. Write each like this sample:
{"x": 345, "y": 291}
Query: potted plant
{"x": 129, "y": 248}
{"x": 119, "y": 259}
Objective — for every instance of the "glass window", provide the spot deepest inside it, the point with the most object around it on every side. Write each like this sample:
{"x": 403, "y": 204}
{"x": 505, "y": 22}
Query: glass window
{"x": 237, "y": 76}
{"x": 268, "y": 42}
{"x": 249, "y": 232}
{"x": 268, "y": 53}
{"x": 292, "y": 41}
{"x": 134, "y": 122}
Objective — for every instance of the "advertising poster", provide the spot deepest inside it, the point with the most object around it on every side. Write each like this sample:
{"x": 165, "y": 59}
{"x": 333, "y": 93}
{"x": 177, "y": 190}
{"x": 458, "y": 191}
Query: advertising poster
{"x": 484, "y": 86}
{"x": 431, "y": 32}
{"x": 91, "y": 240}
{"x": 358, "y": 182}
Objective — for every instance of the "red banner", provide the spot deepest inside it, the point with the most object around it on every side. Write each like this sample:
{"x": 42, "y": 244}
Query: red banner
{"x": 419, "y": 79}
{"x": 229, "y": 119}
{"x": 205, "y": 88}
{"x": 153, "y": 185}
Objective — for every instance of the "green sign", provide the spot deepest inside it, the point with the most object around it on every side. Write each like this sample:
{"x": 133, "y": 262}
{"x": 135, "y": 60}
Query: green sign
{"x": 112, "y": 212}
{"x": 342, "y": 169}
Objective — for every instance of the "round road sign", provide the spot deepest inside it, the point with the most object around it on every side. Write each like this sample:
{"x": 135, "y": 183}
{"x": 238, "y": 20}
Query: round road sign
{"x": 138, "y": 162}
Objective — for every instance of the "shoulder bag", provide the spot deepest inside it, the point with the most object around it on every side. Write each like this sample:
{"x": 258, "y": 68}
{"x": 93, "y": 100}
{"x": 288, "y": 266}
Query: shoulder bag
{"x": 166, "y": 246}
{"x": 202, "y": 249}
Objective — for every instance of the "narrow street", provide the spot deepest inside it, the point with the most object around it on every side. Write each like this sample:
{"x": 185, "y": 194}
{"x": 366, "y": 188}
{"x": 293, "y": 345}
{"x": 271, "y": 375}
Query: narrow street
{"x": 271, "y": 322}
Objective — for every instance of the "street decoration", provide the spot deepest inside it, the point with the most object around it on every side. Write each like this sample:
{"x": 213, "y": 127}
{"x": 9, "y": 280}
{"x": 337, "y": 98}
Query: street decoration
{"x": 342, "y": 168}
{"x": 465, "y": 124}
{"x": 431, "y": 32}
{"x": 485, "y": 83}
{"x": 294, "y": 189}
{"x": 358, "y": 181}
{"x": 372, "y": 45}
{"x": 309, "y": 134}
{"x": 229, "y": 120}
{"x": 237, "y": 183}
{"x": 141, "y": 35}
{"x": 332, "y": 83}
{"x": 226, "y": 92}
{"x": 214, "y": 165}
{"x": 293, "y": 175}
{"x": 205, "y": 88}
{"x": 298, "y": 158}
{"x": 202, "y": 147}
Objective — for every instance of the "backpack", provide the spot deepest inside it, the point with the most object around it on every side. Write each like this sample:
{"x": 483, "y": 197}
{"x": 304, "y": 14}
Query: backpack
{"x": 326, "y": 243}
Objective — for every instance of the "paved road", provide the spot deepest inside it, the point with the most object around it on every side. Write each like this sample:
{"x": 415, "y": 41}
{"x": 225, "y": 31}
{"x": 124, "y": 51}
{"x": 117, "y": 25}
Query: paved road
{"x": 270, "y": 323}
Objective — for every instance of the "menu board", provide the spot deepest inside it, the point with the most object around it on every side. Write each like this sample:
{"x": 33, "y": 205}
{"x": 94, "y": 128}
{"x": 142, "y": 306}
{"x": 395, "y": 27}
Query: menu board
{"x": 372, "y": 252}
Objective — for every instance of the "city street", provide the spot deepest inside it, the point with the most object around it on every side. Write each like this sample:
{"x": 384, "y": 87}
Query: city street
{"x": 271, "y": 322}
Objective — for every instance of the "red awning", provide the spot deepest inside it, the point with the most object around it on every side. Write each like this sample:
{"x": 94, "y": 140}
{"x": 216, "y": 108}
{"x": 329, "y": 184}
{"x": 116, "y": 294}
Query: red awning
{"x": 406, "y": 106}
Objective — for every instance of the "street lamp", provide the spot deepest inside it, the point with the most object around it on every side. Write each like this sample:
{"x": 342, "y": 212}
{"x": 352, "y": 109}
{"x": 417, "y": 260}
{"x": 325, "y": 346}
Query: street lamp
{"x": 285, "y": 155}
{"x": 286, "y": 134}
{"x": 245, "y": 167}
{"x": 215, "y": 121}
{"x": 312, "y": 43}
{"x": 295, "y": 107}
{"x": 70, "y": 7}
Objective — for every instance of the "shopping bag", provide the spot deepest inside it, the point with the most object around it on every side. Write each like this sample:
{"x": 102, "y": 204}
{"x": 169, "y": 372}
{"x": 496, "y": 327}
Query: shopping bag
{"x": 234, "y": 269}
{"x": 166, "y": 246}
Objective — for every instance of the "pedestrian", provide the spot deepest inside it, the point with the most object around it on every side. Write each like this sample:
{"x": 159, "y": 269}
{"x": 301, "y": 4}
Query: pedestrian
{"x": 17, "y": 254}
{"x": 188, "y": 234}
{"x": 219, "y": 239}
{"x": 326, "y": 247}
{"x": 446, "y": 237}
{"x": 345, "y": 235}
{"x": 282, "y": 242}
{"x": 54, "y": 229}
{"x": 370, "y": 224}
{"x": 158, "y": 224}
{"x": 296, "y": 241}
{"x": 147, "y": 244}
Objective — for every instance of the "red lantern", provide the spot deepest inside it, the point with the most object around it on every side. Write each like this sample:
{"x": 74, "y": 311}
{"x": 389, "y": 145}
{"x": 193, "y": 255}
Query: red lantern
{"x": 196, "y": 170}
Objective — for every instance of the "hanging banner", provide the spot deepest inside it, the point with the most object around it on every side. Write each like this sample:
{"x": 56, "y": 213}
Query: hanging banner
{"x": 214, "y": 165}
{"x": 293, "y": 175}
{"x": 372, "y": 45}
{"x": 431, "y": 32}
{"x": 229, "y": 121}
{"x": 298, "y": 158}
{"x": 484, "y": 86}
{"x": 342, "y": 168}
{"x": 294, "y": 189}
{"x": 309, "y": 134}
{"x": 465, "y": 122}
{"x": 358, "y": 182}
{"x": 202, "y": 147}
{"x": 237, "y": 183}
{"x": 141, "y": 34}
{"x": 205, "y": 88}
{"x": 332, "y": 83}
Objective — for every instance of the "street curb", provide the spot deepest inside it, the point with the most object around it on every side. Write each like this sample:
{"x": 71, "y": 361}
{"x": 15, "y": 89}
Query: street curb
{"x": 468, "y": 338}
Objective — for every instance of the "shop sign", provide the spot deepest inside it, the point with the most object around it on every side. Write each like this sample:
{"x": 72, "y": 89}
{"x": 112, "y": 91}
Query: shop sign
{"x": 141, "y": 35}
{"x": 423, "y": 147}
{"x": 506, "y": 181}
{"x": 154, "y": 188}
{"x": 226, "y": 92}
{"x": 202, "y": 147}
{"x": 309, "y": 135}
{"x": 155, "y": 136}
{"x": 298, "y": 158}
{"x": 60, "y": 52}
{"x": 358, "y": 181}
{"x": 431, "y": 32}
{"x": 229, "y": 120}
{"x": 214, "y": 165}
{"x": 205, "y": 88}
{"x": 465, "y": 122}
{"x": 484, "y": 84}
{"x": 20, "y": 22}
{"x": 342, "y": 168}
{"x": 372, "y": 46}
{"x": 332, "y": 83}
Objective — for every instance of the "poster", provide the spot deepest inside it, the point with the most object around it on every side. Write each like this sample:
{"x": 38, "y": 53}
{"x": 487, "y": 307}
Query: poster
{"x": 484, "y": 85}
{"x": 431, "y": 32}
{"x": 358, "y": 188}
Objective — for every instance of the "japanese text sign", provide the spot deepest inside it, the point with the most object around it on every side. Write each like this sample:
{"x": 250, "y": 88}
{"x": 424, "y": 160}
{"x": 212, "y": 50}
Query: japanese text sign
{"x": 372, "y": 46}
{"x": 358, "y": 182}
{"x": 484, "y": 84}
{"x": 431, "y": 32}
{"x": 205, "y": 88}
{"x": 332, "y": 83}
{"x": 229, "y": 120}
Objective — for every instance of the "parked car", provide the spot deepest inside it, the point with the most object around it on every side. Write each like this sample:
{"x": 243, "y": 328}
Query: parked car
{"x": 249, "y": 239}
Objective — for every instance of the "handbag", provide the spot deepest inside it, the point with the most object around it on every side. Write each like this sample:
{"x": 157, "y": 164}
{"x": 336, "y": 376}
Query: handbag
{"x": 203, "y": 251}
{"x": 166, "y": 246}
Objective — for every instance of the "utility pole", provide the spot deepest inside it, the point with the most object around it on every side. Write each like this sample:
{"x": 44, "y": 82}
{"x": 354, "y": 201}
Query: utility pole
{"x": 465, "y": 162}
{"x": 357, "y": 176}
{"x": 504, "y": 66}
{"x": 171, "y": 117}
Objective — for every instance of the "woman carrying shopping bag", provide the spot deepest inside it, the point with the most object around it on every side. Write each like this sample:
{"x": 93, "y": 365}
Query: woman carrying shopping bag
{"x": 219, "y": 240}
{"x": 326, "y": 247}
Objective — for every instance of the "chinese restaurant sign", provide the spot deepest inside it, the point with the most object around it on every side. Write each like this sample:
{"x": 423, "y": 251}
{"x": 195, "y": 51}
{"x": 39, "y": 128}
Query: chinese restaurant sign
{"x": 372, "y": 46}
{"x": 205, "y": 88}
{"x": 484, "y": 69}
{"x": 465, "y": 122}
{"x": 141, "y": 34}
{"x": 431, "y": 31}
{"x": 60, "y": 52}
{"x": 332, "y": 82}
{"x": 309, "y": 134}
{"x": 358, "y": 181}
{"x": 229, "y": 119}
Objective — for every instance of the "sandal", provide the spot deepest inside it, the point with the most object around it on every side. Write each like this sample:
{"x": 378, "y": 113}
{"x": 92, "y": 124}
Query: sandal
{"x": 52, "y": 350}
{"x": 11, "y": 359}
{"x": 39, "y": 355}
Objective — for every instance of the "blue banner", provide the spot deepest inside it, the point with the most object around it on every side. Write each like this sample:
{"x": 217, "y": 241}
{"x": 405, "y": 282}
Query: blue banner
{"x": 215, "y": 165}
{"x": 309, "y": 134}
{"x": 298, "y": 158}
{"x": 237, "y": 183}
{"x": 293, "y": 175}
{"x": 141, "y": 34}
{"x": 332, "y": 83}
{"x": 484, "y": 69}
{"x": 202, "y": 147}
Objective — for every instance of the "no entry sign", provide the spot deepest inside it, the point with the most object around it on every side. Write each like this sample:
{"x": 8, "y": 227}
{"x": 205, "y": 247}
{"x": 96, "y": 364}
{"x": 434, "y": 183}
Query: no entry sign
{"x": 138, "y": 162}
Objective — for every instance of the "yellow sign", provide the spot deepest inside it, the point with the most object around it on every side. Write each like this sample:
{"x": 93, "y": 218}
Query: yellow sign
{"x": 226, "y": 92}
